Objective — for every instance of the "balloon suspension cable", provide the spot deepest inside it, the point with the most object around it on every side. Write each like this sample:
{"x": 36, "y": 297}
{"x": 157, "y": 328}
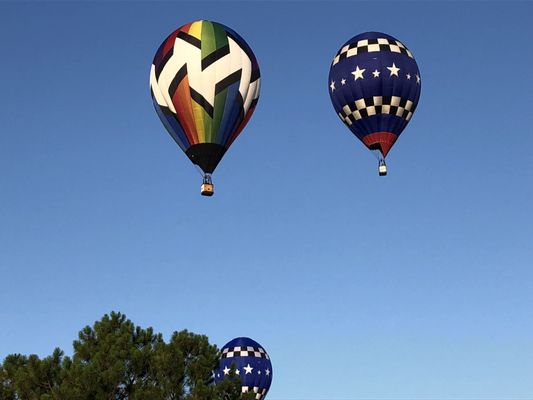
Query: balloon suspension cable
{"x": 207, "y": 179}
{"x": 377, "y": 153}
{"x": 199, "y": 170}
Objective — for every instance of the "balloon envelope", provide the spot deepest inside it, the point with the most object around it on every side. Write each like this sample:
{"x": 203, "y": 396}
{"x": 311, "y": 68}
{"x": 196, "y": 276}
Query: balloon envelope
{"x": 252, "y": 364}
{"x": 205, "y": 84}
{"x": 374, "y": 85}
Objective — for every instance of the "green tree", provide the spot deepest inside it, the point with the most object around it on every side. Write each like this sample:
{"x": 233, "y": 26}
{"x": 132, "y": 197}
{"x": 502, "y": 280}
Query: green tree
{"x": 28, "y": 377}
{"x": 116, "y": 360}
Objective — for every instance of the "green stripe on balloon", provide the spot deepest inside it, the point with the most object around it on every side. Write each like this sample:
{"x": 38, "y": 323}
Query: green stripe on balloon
{"x": 220, "y": 104}
{"x": 222, "y": 45}
{"x": 208, "y": 41}
{"x": 221, "y": 37}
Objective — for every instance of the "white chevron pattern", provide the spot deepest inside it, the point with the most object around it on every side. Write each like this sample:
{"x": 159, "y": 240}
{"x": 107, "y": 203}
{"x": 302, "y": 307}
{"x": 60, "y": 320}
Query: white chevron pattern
{"x": 204, "y": 81}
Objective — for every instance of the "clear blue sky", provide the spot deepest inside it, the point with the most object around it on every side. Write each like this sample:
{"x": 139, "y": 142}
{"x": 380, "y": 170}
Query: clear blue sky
{"x": 414, "y": 286}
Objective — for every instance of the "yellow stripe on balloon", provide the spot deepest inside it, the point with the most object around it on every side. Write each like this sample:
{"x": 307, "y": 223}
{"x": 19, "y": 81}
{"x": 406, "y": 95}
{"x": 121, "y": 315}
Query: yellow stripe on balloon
{"x": 196, "y": 30}
{"x": 198, "y": 113}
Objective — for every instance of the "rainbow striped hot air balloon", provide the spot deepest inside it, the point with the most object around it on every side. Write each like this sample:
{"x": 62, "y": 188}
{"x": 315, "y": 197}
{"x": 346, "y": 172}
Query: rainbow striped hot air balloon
{"x": 205, "y": 84}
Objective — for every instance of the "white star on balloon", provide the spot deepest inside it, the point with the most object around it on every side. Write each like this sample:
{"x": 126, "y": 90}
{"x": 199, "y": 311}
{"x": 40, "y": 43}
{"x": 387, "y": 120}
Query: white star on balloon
{"x": 259, "y": 372}
{"x": 332, "y": 86}
{"x": 417, "y": 78}
{"x": 237, "y": 372}
{"x": 343, "y": 81}
{"x": 408, "y": 76}
{"x": 376, "y": 73}
{"x": 358, "y": 73}
{"x": 267, "y": 372}
{"x": 393, "y": 69}
{"x": 248, "y": 369}
{"x": 226, "y": 370}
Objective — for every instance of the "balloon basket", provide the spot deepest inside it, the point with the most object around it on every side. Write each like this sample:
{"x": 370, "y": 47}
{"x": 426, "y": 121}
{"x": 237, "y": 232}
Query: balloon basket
{"x": 382, "y": 169}
{"x": 207, "y": 189}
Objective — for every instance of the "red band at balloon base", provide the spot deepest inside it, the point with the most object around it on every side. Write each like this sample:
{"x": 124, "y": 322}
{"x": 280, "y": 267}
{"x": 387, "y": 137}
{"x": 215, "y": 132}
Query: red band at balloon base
{"x": 380, "y": 141}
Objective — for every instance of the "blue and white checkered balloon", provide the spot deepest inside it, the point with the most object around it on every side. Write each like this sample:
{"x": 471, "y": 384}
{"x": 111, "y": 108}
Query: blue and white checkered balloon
{"x": 374, "y": 85}
{"x": 252, "y": 364}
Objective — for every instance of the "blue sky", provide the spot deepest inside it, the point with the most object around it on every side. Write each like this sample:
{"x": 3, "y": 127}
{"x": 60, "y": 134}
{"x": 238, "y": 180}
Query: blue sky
{"x": 418, "y": 285}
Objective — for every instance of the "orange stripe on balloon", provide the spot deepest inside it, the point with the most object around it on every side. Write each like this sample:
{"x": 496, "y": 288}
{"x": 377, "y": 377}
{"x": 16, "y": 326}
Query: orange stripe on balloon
{"x": 182, "y": 104}
{"x": 185, "y": 28}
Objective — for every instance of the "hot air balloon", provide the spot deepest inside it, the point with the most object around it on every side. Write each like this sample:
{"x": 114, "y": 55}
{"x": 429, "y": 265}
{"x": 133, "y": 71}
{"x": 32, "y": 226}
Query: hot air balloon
{"x": 251, "y": 362}
{"x": 205, "y": 85}
{"x": 374, "y": 85}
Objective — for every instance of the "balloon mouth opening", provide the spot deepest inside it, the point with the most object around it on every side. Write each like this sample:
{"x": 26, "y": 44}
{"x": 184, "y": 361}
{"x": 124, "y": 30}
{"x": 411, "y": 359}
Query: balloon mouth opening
{"x": 206, "y": 155}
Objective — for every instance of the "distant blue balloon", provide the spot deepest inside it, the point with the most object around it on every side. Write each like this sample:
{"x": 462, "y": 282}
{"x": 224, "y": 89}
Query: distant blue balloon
{"x": 374, "y": 85}
{"x": 252, "y": 364}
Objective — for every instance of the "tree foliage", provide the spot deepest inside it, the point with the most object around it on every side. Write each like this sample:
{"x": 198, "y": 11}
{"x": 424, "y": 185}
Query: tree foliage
{"x": 116, "y": 360}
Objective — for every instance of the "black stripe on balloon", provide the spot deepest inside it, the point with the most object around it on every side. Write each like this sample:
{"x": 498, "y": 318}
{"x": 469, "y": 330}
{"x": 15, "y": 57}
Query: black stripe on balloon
{"x": 190, "y": 39}
{"x": 197, "y": 97}
{"x": 233, "y": 37}
{"x": 182, "y": 73}
{"x": 255, "y": 75}
{"x": 244, "y": 47}
{"x": 228, "y": 81}
{"x": 159, "y": 67}
{"x": 214, "y": 56}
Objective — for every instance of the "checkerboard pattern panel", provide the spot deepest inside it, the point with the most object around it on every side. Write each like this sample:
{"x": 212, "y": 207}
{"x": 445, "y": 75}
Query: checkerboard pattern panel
{"x": 367, "y": 107}
{"x": 247, "y": 351}
{"x": 369, "y": 46}
{"x": 259, "y": 393}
